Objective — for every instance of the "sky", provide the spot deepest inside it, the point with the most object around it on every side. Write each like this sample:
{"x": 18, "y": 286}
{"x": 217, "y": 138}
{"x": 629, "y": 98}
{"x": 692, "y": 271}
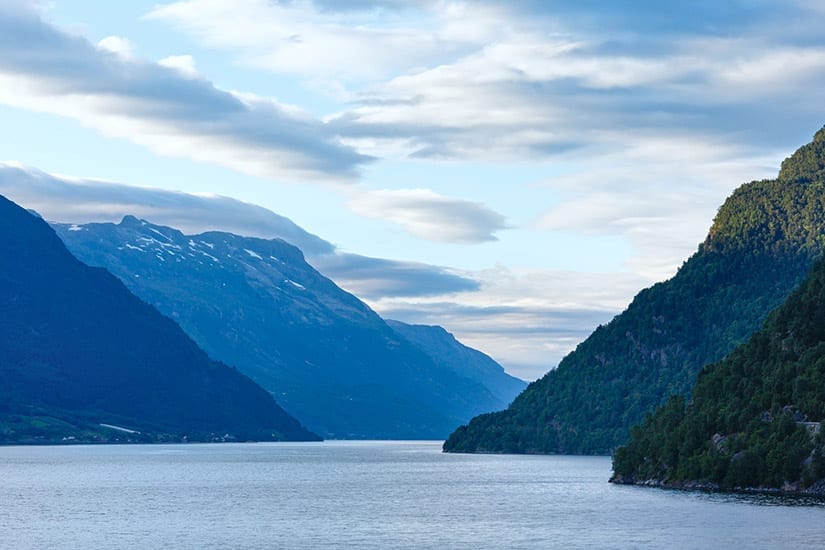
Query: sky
{"x": 513, "y": 171}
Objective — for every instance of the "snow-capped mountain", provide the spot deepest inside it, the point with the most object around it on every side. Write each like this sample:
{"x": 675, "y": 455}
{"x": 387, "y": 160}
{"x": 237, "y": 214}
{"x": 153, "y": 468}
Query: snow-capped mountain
{"x": 258, "y": 305}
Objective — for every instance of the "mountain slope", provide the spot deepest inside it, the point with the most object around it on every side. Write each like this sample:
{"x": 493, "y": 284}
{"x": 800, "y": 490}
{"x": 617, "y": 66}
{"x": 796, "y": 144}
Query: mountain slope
{"x": 450, "y": 354}
{"x": 254, "y": 303}
{"x": 761, "y": 245}
{"x": 754, "y": 419}
{"x": 77, "y": 349}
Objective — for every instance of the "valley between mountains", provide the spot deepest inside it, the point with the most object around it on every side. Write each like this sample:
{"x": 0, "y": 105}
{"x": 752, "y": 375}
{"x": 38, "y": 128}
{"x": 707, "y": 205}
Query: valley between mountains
{"x": 220, "y": 337}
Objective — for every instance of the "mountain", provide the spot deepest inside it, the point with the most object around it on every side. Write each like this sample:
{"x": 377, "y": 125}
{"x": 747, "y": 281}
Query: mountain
{"x": 257, "y": 304}
{"x": 754, "y": 420}
{"x": 83, "y": 358}
{"x": 450, "y": 354}
{"x": 761, "y": 246}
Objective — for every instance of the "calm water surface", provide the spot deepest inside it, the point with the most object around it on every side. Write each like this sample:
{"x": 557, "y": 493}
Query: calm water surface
{"x": 365, "y": 495}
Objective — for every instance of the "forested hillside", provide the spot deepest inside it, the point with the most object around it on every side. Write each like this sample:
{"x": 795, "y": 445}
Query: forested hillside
{"x": 761, "y": 245}
{"x": 754, "y": 418}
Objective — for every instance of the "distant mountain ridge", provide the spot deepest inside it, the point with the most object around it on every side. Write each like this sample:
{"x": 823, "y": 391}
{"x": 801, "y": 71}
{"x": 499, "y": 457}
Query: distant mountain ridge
{"x": 449, "y": 353}
{"x": 83, "y": 359}
{"x": 762, "y": 244}
{"x": 255, "y": 303}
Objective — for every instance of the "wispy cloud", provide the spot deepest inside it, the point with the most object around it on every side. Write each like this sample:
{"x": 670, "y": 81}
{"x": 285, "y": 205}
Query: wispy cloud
{"x": 659, "y": 193}
{"x": 527, "y": 97}
{"x": 377, "y": 278}
{"x": 163, "y": 106}
{"x": 350, "y": 41}
{"x": 431, "y": 216}
{"x": 530, "y": 79}
{"x": 72, "y": 200}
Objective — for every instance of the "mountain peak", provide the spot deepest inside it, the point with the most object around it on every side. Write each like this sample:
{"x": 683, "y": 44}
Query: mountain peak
{"x": 807, "y": 164}
{"x": 131, "y": 221}
{"x": 142, "y": 226}
{"x": 776, "y": 215}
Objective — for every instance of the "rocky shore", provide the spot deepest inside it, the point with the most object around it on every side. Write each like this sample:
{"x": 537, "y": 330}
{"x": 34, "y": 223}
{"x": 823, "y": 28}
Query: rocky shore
{"x": 815, "y": 489}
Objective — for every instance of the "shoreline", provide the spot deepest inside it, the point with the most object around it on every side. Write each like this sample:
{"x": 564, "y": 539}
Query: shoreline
{"x": 817, "y": 489}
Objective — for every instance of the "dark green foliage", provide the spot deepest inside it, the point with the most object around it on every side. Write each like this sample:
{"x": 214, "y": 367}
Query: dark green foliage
{"x": 753, "y": 416}
{"x": 761, "y": 245}
{"x": 78, "y": 349}
{"x": 807, "y": 164}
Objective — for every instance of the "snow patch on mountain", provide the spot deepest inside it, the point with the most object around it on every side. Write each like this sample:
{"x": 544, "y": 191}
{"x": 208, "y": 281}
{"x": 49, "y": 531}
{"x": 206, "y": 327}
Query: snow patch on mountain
{"x": 296, "y": 285}
{"x": 153, "y": 230}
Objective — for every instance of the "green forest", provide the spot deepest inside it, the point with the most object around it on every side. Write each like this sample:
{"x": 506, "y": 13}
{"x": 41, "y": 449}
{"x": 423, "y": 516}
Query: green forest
{"x": 763, "y": 242}
{"x": 754, "y": 418}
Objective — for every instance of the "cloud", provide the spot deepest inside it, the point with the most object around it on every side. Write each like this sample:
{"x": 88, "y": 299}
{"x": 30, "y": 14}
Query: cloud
{"x": 377, "y": 278}
{"x": 534, "y": 80}
{"x": 117, "y": 45}
{"x": 660, "y": 194}
{"x": 183, "y": 63}
{"x": 537, "y": 98}
{"x": 298, "y": 37}
{"x": 654, "y": 18}
{"x": 72, "y": 200}
{"x": 426, "y": 214}
{"x": 162, "y": 106}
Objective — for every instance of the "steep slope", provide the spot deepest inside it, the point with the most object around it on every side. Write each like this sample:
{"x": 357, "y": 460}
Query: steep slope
{"x": 78, "y": 350}
{"x": 450, "y": 354}
{"x": 761, "y": 245}
{"x": 256, "y": 304}
{"x": 755, "y": 417}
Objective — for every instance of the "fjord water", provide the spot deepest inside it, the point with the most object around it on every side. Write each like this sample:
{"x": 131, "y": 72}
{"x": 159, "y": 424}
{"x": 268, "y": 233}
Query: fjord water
{"x": 365, "y": 495}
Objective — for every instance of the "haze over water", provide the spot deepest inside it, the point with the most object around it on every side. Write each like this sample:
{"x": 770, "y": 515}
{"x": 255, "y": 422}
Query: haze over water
{"x": 365, "y": 495}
